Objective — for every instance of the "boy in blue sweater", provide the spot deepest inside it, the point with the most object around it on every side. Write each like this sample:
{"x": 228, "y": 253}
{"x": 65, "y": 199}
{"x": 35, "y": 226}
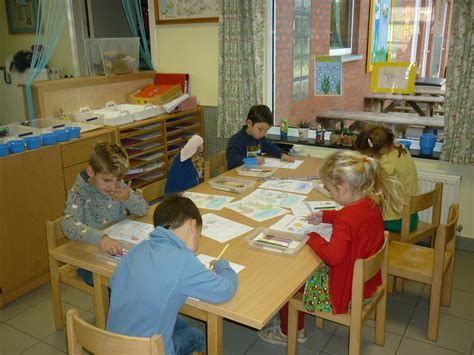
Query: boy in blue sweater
{"x": 154, "y": 279}
{"x": 250, "y": 141}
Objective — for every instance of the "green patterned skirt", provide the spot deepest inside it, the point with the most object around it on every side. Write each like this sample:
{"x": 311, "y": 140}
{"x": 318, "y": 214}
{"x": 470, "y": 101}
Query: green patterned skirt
{"x": 316, "y": 291}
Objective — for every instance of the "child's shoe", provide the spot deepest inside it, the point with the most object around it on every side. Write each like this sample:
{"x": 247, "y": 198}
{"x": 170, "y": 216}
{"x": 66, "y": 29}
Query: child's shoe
{"x": 273, "y": 335}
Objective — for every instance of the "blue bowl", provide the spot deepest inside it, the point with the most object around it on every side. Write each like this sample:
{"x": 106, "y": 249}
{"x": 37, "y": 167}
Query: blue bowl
{"x": 406, "y": 143}
{"x": 4, "y": 149}
{"x": 73, "y": 132}
{"x": 17, "y": 146}
{"x": 48, "y": 138}
{"x": 250, "y": 161}
{"x": 33, "y": 142}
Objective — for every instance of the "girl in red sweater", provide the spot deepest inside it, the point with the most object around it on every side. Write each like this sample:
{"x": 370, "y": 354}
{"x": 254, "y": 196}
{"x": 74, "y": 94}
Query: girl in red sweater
{"x": 352, "y": 180}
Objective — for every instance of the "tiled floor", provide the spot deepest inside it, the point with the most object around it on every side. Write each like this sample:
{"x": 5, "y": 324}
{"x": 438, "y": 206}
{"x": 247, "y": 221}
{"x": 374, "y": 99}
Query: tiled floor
{"x": 27, "y": 327}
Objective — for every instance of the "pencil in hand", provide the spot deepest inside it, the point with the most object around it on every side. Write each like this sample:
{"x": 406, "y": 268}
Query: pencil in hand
{"x": 211, "y": 265}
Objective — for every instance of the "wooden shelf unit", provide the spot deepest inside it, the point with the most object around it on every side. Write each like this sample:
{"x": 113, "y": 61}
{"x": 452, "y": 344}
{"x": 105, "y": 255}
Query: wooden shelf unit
{"x": 174, "y": 130}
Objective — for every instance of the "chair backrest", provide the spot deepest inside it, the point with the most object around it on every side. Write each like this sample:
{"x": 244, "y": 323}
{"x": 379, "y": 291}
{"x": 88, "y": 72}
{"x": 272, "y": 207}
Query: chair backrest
{"x": 446, "y": 237}
{"x": 365, "y": 269}
{"x": 153, "y": 191}
{"x": 417, "y": 203}
{"x": 217, "y": 161}
{"x": 54, "y": 234}
{"x": 100, "y": 342}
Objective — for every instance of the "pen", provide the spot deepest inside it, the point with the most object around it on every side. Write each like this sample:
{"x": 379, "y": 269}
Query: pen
{"x": 220, "y": 255}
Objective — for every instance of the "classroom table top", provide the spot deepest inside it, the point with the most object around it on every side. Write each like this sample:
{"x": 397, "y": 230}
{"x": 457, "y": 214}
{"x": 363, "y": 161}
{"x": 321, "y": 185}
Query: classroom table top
{"x": 268, "y": 281}
{"x": 409, "y": 97}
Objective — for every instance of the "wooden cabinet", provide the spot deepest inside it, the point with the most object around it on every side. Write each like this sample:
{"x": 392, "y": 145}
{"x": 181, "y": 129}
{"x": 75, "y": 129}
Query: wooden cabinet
{"x": 153, "y": 143}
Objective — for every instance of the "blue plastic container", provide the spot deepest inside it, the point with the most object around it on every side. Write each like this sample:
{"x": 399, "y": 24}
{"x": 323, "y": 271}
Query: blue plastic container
{"x": 4, "y": 149}
{"x": 427, "y": 143}
{"x": 17, "y": 146}
{"x": 250, "y": 161}
{"x": 406, "y": 143}
{"x": 61, "y": 135}
{"x": 33, "y": 142}
{"x": 48, "y": 138}
{"x": 73, "y": 132}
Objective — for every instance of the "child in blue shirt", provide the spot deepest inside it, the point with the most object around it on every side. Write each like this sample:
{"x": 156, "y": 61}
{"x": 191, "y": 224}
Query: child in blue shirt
{"x": 153, "y": 280}
{"x": 183, "y": 174}
{"x": 98, "y": 198}
{"x": 250, "y": 141}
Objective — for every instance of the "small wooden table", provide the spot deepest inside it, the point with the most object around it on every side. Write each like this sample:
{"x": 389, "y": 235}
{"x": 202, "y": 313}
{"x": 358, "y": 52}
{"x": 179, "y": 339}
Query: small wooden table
{"x": 377, "y": 102}
{"x": 268, "y": 281}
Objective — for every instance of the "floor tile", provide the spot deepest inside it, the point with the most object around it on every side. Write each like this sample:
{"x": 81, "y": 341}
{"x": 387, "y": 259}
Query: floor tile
{"x": 454, "y": 333}
{"x": 461, "y": 303}
{"x": 339, "y": 342}
{"x": 238, "y": 338}
{"x": 46, "y": 289}
{"x": 38, "y": 320}
{"x": 21, "y": 304}
{"x": 412, "y": 346}
{"x": 464, "y": 271}
{"x": 411, "y": 293}
{"x": 77, "y": 298}
{"x": 262, "y": 348}
{"x": 13, "y": 341}
{"x": 398, "y": 316}
{"x": 42, "y": 348}
{"x": 318, "y": 338}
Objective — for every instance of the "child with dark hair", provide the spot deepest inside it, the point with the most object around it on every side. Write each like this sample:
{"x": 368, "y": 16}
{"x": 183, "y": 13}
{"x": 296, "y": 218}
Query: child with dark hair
{"x": 395, "y": 159}
{"x": 154, "y": 279}
{"x": 250, "y": 141}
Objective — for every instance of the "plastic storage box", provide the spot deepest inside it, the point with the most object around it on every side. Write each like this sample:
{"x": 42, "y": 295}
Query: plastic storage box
{"x": 231, "y": 184}
{"x": 110, "y": 56}
{"x": 257, "y": 171}
{"x": 276, "y": 241}
{"x": 50, "y": 124}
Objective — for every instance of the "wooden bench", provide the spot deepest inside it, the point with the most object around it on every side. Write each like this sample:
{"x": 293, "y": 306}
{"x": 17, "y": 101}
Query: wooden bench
{"x": 393, "y": 118}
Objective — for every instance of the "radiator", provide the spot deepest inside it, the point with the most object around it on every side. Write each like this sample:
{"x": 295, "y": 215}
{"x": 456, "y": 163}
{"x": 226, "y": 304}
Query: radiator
{"x": 451, "y": 185}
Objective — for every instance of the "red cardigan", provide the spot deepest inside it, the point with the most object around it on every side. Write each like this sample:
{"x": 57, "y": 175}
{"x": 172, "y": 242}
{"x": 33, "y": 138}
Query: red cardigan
{"x": 357, "y": 233}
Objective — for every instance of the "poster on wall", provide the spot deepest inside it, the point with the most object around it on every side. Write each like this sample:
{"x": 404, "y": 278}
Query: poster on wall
{"x": 393, "y": 77}
{"x": 185, "y": 11}
{"x": 327, "y": 75}
{"x": 379, "y": 32}
{"x": 21, "y": 16}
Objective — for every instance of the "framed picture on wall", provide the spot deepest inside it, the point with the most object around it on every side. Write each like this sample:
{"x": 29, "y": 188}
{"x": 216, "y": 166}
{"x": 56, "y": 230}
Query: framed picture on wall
{"x": 21, "y": 16}
{"x": 186, "y": 11}
{"x": 379, "y": 32}
{"x": 393, "y": 77}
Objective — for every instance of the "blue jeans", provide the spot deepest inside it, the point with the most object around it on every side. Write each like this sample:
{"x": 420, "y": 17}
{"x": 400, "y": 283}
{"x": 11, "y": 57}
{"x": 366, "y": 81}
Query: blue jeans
{"x": 187, "y": 339}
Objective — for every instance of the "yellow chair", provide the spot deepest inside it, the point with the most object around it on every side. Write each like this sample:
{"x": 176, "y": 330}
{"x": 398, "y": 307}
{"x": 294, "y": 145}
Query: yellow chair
{"x": 364, "y": 269}
{"x": 419, "y": 203}
{"x": 430, "y": 266}
{"x": 81, "y": 334}
{"x": 61, "y": 272}
{"x": 217, "y": 161}
{"x": 153, "y": 191}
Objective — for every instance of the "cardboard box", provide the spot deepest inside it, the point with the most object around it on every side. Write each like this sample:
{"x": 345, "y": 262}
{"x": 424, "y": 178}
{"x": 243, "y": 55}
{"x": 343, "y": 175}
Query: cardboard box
{"x": 155, "y": 94}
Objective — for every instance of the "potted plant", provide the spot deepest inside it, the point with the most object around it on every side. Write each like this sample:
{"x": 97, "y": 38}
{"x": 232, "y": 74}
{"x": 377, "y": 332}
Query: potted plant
{"x": 335, "y": 137}
{"x": 303, "y": 130}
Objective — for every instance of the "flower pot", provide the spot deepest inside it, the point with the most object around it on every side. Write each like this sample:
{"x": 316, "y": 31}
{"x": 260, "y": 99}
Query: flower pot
{"x": 303, "y": 134}
{"x": 335, "y": 138}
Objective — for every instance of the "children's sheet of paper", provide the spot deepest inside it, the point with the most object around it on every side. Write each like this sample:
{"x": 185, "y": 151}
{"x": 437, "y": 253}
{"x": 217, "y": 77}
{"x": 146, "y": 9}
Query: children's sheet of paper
{"x": 299, "y": 225}
{"x": 258, "y": 210}
{"x": 307, "y": 207}
{"x": 277, "y": 163}
{"x": 210, "y": 202}
{"x": 222, "y": 229}
{"x": 130, "y": 231}
{"x": 206, "y": 260}
{"x": 300, "y": 187}
{"x": 279, "y": 198}
{"x": 323, "y": 229}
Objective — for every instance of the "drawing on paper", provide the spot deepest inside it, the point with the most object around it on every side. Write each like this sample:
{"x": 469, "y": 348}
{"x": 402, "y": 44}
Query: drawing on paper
{"x": 297, "y": 186}
{"x": 207, "y": 201}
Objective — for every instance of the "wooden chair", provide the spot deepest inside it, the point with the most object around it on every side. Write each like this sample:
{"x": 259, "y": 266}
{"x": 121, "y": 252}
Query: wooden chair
{"x": 153, "y": 191}
{"x": 419, "y": 203}
{"x": 217, "y": 161}
{"x": 60, "y": 272}
{"x": 101, "y": 342}
{"x": 430, "y": 266}
{"x": 364, "y": 269}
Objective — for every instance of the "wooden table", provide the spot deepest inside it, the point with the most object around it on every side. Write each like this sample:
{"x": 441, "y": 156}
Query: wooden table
{"x": 377, "y": 102}
{"x": 268, "y": 281}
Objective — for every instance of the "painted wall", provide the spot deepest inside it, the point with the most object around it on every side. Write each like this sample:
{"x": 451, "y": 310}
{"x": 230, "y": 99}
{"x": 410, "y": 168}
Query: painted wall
{"x": 192, "y": 49}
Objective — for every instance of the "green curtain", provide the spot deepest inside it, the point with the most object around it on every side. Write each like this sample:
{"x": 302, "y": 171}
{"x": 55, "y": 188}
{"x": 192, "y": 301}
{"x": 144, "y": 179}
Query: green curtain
{"x": 459, "y": 103}
{"x": 241, "y": 59}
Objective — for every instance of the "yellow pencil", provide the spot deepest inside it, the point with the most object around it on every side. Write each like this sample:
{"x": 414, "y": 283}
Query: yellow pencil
{"x": 220, "y": 255}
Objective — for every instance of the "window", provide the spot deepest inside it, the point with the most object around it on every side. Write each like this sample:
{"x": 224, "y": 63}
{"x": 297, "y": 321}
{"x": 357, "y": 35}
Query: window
{"x": 342, "y": 13}
{"x": 301, "y": 42}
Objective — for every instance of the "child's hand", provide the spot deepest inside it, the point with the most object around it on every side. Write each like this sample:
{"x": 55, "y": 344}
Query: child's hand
{"x": 287, "y": 158}
{"x": 110, "y": 245}
{"x": 315, "y": 218}
{"x": 260, "y": 160}
{"x": 121, "y": 194}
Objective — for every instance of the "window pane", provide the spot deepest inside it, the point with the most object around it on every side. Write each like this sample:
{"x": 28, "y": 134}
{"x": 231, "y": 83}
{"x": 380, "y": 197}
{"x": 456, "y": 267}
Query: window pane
{"x": 297, "y": 25}
{"x": 296, "y": 90}
{"x": 305, "y": 46}
{"x": 341, "y": 24}
{"x": 306, "y": 27}
{"x": 296, "y": 68}
{"x": 305, "y": 66}
{"x": 307, "y": 5}
{"x": 297, "y": 47}
{"x": 305, "y": 87}
{"x": 298, "y": 4}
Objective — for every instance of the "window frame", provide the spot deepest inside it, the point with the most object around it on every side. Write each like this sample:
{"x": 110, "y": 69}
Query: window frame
{"x": 347, "y": 50}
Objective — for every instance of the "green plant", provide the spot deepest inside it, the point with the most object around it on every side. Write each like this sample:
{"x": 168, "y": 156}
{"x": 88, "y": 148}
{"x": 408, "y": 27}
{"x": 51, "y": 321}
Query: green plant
{"x": 303, "y": 124}
{"x": 325, "y": 85}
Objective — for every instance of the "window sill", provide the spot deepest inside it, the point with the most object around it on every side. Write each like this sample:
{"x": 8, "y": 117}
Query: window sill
{"x": 351, "y": 57}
